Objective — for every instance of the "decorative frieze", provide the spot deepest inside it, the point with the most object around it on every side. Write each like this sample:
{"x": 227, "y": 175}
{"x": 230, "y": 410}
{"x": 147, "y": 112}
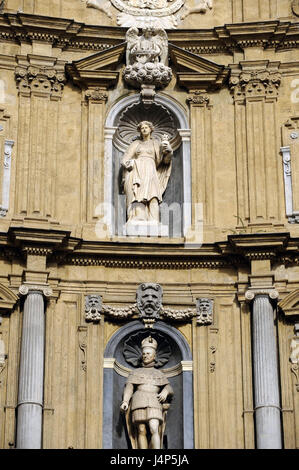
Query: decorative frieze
{"x": 148, "y": 307}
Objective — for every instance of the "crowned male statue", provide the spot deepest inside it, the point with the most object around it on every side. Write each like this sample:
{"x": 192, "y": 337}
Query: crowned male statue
{"x": 145, "y": 400}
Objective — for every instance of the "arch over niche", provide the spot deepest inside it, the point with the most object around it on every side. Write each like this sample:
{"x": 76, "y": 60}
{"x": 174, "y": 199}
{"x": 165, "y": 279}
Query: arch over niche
{"x": 171, "y": 118}
{"x": 179, "y": 433}
{"x": 290, "y": 304}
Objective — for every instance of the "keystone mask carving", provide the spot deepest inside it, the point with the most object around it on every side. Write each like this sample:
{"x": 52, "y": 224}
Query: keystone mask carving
{"x": 149, "y": 300}
{"x": 93, "y": 307}
{"x": 204, "y": 311}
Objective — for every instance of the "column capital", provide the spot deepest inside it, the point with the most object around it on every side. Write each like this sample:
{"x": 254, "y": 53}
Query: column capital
{"x": 250, "y": 294}
{"x": 40, "y": 81}
{"x": 255, "y": 81}
{"x": 25, "y": 289}
{"x": 199, "y": 98}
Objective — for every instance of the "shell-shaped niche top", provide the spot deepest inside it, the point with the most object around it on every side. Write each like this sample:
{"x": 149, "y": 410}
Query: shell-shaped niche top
{"x": 132, "y": 349}
{"x": 162, "y": 120}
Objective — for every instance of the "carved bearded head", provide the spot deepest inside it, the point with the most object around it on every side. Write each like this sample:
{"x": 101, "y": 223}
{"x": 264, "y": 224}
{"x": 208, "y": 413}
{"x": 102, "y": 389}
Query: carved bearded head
{"x": 149, "y": 300}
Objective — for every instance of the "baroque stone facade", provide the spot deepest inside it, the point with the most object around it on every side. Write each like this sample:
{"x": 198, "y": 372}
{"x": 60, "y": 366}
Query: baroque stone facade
{"x": 216, "y": 283}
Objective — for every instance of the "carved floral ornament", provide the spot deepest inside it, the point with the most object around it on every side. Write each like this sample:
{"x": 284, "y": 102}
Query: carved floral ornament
{"x": 149, "y": 308}
{"x": 167, "y": 14}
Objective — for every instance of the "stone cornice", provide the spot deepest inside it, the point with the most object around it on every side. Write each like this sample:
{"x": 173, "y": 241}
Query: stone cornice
{"x": 238, "y": 250}
{"x": 72, "y": 35}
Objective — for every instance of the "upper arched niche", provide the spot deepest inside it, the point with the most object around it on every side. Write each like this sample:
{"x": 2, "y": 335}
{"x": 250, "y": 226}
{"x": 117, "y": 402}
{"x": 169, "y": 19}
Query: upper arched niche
{"x": 168, "y": 117}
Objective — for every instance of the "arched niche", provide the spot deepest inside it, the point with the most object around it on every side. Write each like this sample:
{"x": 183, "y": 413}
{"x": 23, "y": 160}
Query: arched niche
{"x": 168, "y": 117}
{"x": 179, "y": 432}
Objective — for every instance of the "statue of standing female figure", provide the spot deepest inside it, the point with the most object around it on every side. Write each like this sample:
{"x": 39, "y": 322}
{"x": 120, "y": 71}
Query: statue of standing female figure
{"x": 147, "y": 168}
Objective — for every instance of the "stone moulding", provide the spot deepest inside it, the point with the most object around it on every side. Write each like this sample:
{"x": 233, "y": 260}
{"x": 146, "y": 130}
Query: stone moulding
{"x": 71, "y": 35}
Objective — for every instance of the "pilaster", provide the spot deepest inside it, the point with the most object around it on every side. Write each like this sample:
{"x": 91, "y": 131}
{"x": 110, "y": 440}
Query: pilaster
{"x": 95, "y": 100}
{"x": 254, "y": 86}
{"x": 40, "y": 81}
{"x": 201, "y": 153}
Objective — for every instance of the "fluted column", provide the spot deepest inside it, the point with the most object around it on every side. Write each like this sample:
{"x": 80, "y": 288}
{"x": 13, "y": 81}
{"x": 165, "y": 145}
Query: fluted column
{"x": 265, "y": 369}
{"x": 31, "y": 377}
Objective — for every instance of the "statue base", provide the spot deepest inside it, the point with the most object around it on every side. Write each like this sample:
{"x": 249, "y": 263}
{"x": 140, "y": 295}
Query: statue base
{"x": 146, "y": 229}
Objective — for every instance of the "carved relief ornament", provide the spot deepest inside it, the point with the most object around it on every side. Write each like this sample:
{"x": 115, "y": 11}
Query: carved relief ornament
{"x": 40, "y": 81}
{"x": 149, "y": 308}
{"x": 147, "y": 56}
{"x": 165, "y": 14}
{"x": 294, "y": 356}
{"x": 255, "y": 84}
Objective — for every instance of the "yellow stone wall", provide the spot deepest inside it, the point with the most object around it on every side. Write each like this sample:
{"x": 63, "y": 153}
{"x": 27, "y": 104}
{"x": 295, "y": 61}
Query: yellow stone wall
{"x": 237, "y": 173}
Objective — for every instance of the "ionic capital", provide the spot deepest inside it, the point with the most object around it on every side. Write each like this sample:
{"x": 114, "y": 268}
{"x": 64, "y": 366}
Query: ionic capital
{"x": 251, "y": 294}
{"x": 25, "y": 289}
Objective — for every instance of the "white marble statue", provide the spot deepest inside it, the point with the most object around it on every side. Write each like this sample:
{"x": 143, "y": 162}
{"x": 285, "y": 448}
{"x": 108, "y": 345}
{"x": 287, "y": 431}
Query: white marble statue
{"x": 102, "y": 5}
{"x": 145, "y": 400}
{"x": 147, "y": 168}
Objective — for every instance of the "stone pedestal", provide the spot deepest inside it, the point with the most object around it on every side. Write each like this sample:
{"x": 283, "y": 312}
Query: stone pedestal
{"x": 146, "y": 229}
{"x": 266, "y": 381}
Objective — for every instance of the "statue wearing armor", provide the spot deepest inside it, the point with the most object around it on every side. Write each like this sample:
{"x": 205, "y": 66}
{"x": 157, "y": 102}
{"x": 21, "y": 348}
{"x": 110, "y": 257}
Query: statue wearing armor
{"x": 144, "y": 400}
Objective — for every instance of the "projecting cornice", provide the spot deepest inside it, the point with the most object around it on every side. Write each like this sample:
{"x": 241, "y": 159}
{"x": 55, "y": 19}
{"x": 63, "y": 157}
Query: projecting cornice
{"x": 238, "y": 250}
{"x": 71, "y": 35}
